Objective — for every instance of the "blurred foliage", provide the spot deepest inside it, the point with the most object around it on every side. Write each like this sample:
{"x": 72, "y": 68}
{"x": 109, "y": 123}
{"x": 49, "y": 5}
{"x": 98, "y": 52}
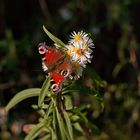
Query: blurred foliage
{"x": 114, "y": 26}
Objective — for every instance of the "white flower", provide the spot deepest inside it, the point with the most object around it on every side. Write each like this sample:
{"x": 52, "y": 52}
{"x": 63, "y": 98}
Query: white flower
{"x": 76, "y": 71}
{"x": 79, "y": 48}
{"x": 77, "y": 36}
{"x": 81, "y": 37}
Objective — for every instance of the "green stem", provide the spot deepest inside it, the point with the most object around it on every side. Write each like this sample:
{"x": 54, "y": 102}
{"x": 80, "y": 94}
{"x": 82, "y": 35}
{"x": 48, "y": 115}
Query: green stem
{"x": 49, "y": 110}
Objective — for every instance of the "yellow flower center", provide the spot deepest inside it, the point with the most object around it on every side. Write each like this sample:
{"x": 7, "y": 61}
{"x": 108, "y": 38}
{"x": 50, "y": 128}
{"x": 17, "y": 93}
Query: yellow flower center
{"x": 75, "y": 50}
{"x": 77, "y": 37}
{"x": 78, "y": 51}
{"x": 69, "y": 52}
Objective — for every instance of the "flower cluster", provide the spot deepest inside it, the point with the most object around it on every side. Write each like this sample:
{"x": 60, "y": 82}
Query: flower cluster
{"x": 80, "y": 51}
{"x": 77, "y": 53}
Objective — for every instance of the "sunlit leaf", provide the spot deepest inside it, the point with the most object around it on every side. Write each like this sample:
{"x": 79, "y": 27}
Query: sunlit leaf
{"x": 53, "y": 38}
{"x": 68, "y": 102}
{"x": 46, "y": 137}
{"x": 61, "y": 125}
{"x": 22, "y": 95}
{"x": 44, "y": 91}
{"x": 78, "y": 129}
{"x": 75, "y": 118}
{"x": 68, "y": 124}
{"x": 49, "y": 110}
{"x": 55, "y": 125}
{"x": 78, "y": 112}
{"x": 52, "y": 134}
{"x": 39, "y": 110}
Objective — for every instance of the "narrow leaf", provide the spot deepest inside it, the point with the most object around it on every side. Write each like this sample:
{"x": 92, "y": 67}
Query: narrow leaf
{"x": 46, "y": 137}
{"x": 22, "y": 95}
{"x": 49, "y": 110}
{"x": 61, "y": 125}
{"x": 52, "y": 134}
{"x": 68, "y": 102}
{"x": 80, "y": 114}
{"x": 44, "y": 91}
{"x": 75, "y": 118}
{"x": 78, "y": 129}
{"x": 39, "y": 110}
{"x": 35, "y": 131}
{"x": 68, "y": 124}
{"x": 55, "y": 126}
{"x": 53, "y": 38}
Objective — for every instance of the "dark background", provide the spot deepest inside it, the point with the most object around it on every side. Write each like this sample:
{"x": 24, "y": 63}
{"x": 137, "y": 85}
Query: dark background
{"x": 115, "y": 29}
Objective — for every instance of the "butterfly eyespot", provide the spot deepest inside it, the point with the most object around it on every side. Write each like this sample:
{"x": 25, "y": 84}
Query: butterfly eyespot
{"x": 65, "y": 73}
{"x": 52, "y": 82}
{"x": 42, "y": 50}
{"x": 55, "y": 87}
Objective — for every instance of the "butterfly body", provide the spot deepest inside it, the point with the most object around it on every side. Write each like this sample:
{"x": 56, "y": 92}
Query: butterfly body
{"x": 55, "y": 63}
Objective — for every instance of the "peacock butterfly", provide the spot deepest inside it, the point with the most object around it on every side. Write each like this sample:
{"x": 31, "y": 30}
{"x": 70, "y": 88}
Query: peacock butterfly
{"x": 55, "y": 63}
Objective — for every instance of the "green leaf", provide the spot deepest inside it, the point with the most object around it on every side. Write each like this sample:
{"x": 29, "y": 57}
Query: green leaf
{"x": 68, "y": 102}
{"x": 82, "y": 116}
{"x": 44, "y": 91}
{"x": 53, "y": 38}
{"x": 22, "y": 95}
{"x": 49, "y": 110}
{"x": 61, "y": 125}
{"x": 68, "y": 124}
{"x": 75, "y": 118}
{"x": 52, "y": 134}
{"x": 78, "y": 129}
{"x": 39, "y": 110}
{"x": 55, "y": 126}
{"x": 46, "y": 137}
{"x": 54, "y": 120}
{"x": 35, "y": 131}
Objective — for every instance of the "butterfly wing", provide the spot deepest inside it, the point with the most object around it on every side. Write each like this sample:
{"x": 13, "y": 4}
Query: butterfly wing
{"x": 49, "y": 57}
{"x": 56, "y": 64}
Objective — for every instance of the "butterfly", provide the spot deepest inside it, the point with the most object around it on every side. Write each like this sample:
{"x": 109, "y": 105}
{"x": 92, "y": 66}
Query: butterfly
{"x": 56, "y": 63}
